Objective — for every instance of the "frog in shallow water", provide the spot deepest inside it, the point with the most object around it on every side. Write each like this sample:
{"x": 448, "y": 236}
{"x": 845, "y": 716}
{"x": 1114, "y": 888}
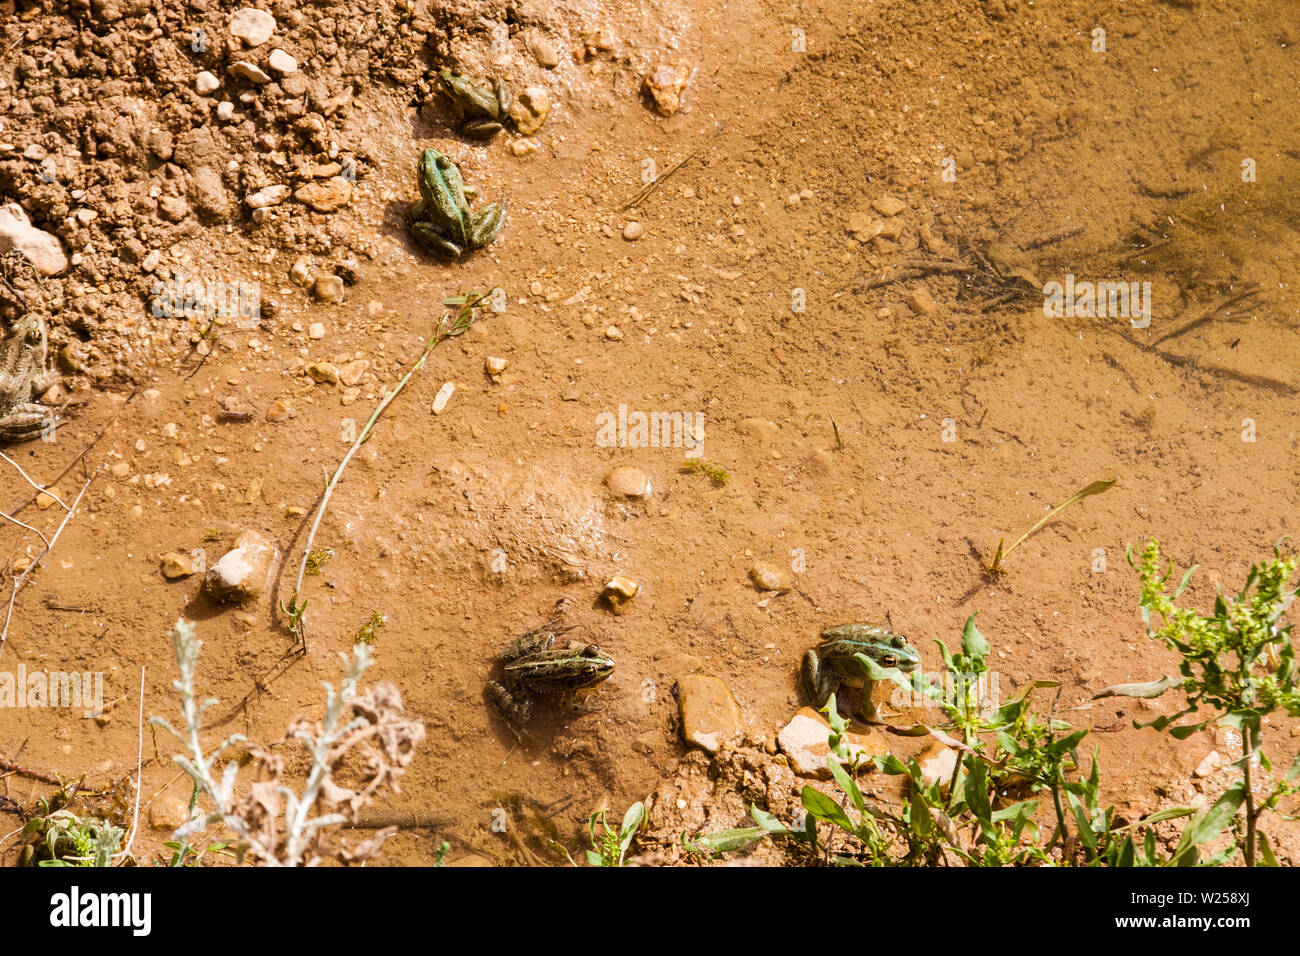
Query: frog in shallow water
{"x": 532, "y": 664}
{"x": 833, "y": 662}
{"x": 482, "y": 112}
{"x": 442, "y": 221}
{"x": 22, "y": 376}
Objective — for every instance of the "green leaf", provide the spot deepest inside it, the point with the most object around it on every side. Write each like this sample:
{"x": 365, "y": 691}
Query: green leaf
{"x": 847, "y": 784}
{"x": 725, "y": 841}
{"x": 973, "y": 643}
{"x": 1186, "y": 730}
{"x": 1206, "y": 826}
{"x": 768, "y": 822}
{"x": 920, "y": 821}
{"x": 594, "y": 858}
{"x": 977, "y": 793}
{"x": 1145, "y": 691}
{"x": 824, "y": 808}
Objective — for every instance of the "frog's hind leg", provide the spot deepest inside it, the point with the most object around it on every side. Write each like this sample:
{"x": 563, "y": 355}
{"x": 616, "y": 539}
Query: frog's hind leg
{"x": 817, "y": 680}
{"x": 25, "y": 422}
{"x": 481, "y": 128}
{"x": 486, "y": 223}
{"x": 429, "y": 237}
{"x": 514, "y": 706}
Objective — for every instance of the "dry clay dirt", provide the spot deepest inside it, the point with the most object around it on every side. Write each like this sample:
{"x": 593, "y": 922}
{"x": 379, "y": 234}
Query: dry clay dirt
{"x": 465, "y": 528}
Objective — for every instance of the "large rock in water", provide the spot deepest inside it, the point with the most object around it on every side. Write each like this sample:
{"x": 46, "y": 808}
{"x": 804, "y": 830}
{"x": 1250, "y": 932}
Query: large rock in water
{"x": 242, "y": 573}
{"x": 40, "y": 248}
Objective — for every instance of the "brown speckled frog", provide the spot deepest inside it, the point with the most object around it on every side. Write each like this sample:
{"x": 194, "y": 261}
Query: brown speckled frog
{"x": 22, "y": 376}
{"x": 533, "y": 665}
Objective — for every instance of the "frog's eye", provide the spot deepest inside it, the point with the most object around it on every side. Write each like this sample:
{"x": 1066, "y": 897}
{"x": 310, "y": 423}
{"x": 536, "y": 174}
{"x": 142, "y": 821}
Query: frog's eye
{"x": 898, "y": 641}
{"x": 888, "y": 661}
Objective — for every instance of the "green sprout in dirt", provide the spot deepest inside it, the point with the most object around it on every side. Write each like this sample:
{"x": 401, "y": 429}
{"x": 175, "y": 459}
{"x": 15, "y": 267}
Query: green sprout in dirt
{"x": 212, "y": 534}
{"x": 1095, "y": 488}
{"x": 717, "y": 474}
{"x": 317, "y": 559}
{"x": 466, "y": 308}
{"x": 61, "y": 838}
{"x": 370, "y": 630}
{"x": 610, "y": 846}
{"x": 1239, "y": 664}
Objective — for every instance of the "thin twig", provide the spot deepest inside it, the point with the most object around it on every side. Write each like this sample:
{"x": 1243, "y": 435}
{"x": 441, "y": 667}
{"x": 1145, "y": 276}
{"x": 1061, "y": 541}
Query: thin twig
{"x": 18, "y": 582}
{"x": 464, "y": 319}
{"x": 139, "y": 764}
{"x": 658, "y": 181}
{"x": 32, "y": 483}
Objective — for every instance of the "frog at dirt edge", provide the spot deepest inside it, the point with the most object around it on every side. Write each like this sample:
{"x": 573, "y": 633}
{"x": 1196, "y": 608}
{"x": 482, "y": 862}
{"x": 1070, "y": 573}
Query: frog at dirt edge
{"x": 22, "y": 376}
{"x": 482, "y": 112}
{"x": 832, "y": 662}
{"x": 442, "y": 221}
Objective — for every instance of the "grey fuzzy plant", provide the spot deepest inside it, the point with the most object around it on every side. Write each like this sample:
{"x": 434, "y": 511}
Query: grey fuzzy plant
{"x": 273, "y": 823}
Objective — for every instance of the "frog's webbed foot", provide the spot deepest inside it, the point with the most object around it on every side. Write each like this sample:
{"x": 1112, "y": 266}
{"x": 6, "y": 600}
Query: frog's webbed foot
{"x": 25, "y": 422}
{"x": 817, "y": 681}
{"x": 429, "y": 237}
{"x": 486, "y": 223}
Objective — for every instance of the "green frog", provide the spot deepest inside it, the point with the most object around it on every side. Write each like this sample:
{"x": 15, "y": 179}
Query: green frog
{"x": 482, "y": 111}
{"x": 832, "y": 662}
{"x": 22, "y": 376}
{"x": 532, "y": 664}
{"x": 441, "y": 221}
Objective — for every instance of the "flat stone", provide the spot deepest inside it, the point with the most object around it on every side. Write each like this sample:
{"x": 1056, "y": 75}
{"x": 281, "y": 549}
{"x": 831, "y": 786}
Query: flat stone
{"x": 769, "y": 576}
{"x": 619, "y": 592}
{"x": 241, "y": 574}
{"x": 350, "y": 373}
{"x": 249, "y": 71}
{"x": 709, "y": 713}
{"x": 1210, "y": 763}
{"x": 300, "y": 272}
{"x": 279, "y": 411}
{"x": 530, "y": 109}
{"x": 206, "y": 83}
{"x": 169, "y": 812}
{"x": 282, "y": 62}
{"x": 41, "y": 249}
{"x": 252, "y": 26}
{"x": 545, "y": 54}
{"x": 176, "y": 565}
{"x": 937, "y": 763}
{"x": 443, "y": 397}
{"x": 804, "y": 741}
{"x": 888, "y": 206}
{"x": 495, "y": 365}
{"x": 325, "y": 195}
{"x": 628, "y": 481}
{"x": 665, "y": 84}
{"x": 323, "y": 373}
{"x": 268, "y": 196}
{"x": 328, "y": 288}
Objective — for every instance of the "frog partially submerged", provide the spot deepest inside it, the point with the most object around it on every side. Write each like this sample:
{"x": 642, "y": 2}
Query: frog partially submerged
{"x": 22, "y": 376}
{"x": 832, "y": 662}
{"x": 441, "y": 221}
{"x": 482, "y": 112}
{"x": 532, "y": 664}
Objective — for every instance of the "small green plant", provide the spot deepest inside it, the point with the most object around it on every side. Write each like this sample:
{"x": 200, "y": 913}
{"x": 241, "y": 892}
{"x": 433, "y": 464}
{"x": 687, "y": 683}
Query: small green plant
{"x": 1007, "y": 760}
{"x": 212, "y": 534}
{"x": 610, "y": 846}
{"x": 1237, "y": 663}
{"x": 317, "y": 559}
{"x": 61, "y": 838}
{"x": 370, "y": 630}
{"x": 1095, "y": 488}
{"x": 185, "y": 855}
{"x": 717, "y": 474}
